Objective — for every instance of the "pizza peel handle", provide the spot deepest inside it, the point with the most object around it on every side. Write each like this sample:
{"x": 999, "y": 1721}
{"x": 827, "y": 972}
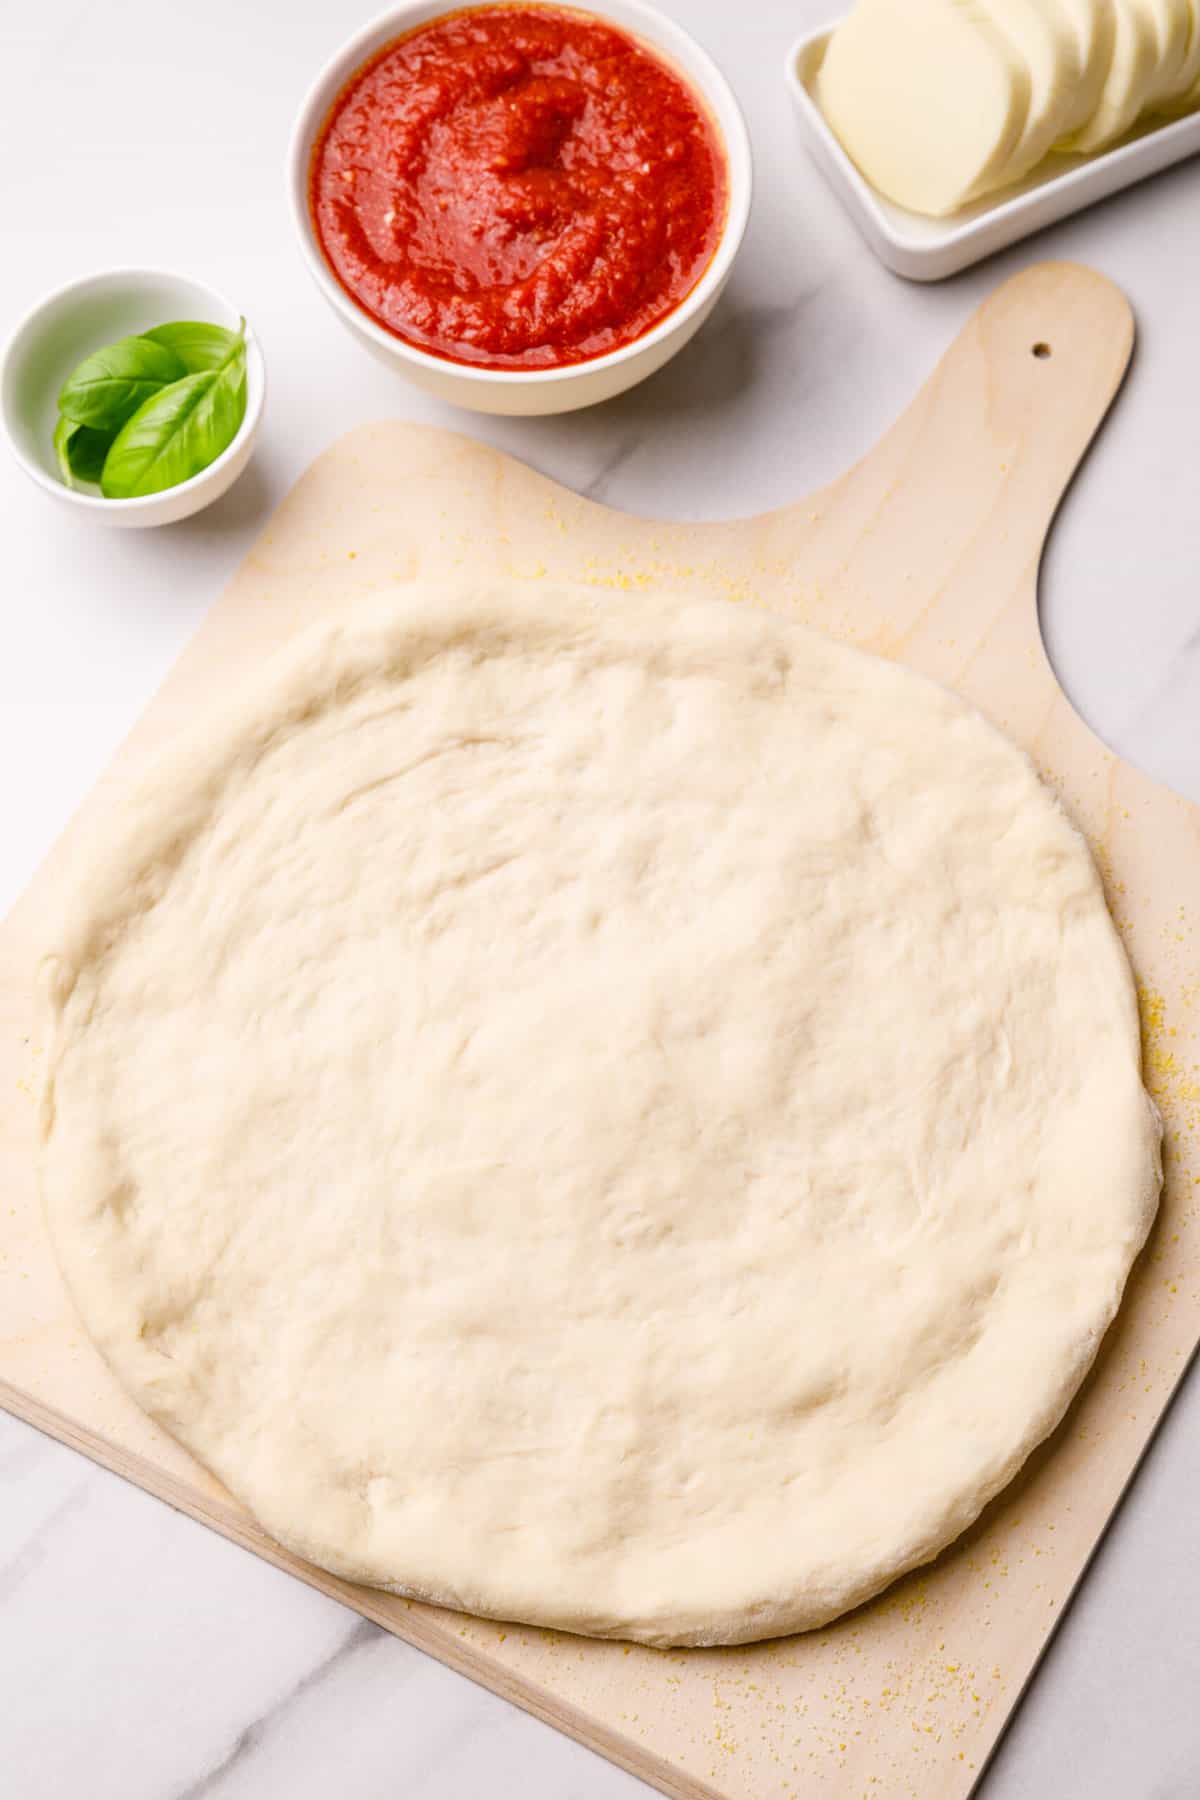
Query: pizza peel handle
{"x": 927, "y": 550}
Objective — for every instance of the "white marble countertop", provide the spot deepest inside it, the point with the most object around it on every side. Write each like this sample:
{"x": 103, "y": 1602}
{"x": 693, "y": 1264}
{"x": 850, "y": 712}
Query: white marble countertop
{"x": 142, "y": 1658}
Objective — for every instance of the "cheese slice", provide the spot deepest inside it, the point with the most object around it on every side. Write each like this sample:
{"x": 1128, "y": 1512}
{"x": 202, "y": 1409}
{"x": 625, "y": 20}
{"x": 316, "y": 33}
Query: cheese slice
{"x": 1183, "y": 95}
{"x": 1131, "y": 77}
{"x": 1172, "y": 29}
{"x": 1095, "y": 25}
{"x": 927, "y": 97}
{"x": 1042, "y": 34}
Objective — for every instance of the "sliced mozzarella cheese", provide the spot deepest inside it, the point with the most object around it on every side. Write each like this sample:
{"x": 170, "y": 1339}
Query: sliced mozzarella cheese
{"x": 1131, "y": 77}
{"x": 1172, "y": 26}
{"x": 1183, "y": 95}
{"x": 1095, "y": 26}
{"x": 1041, "y": 33}
{"x": 927, "y": 97}
{"x": 1186, "y": 103}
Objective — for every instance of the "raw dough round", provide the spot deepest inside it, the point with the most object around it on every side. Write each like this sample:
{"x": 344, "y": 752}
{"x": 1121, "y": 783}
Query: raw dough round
{"x": 625, "y": 1117}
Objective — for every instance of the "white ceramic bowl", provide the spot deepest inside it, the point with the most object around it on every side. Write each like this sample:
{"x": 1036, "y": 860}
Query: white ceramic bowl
{"x": 67, "y": 326}
{"x": 531, "y": 391}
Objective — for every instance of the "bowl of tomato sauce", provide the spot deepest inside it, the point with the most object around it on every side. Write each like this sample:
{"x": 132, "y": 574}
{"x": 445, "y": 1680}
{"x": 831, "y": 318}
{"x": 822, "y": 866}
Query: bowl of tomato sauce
{"x": 524, "y": 207}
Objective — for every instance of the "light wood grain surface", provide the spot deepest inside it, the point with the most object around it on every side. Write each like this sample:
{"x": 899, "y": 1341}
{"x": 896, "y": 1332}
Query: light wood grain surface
{"x": 926, "y": 551}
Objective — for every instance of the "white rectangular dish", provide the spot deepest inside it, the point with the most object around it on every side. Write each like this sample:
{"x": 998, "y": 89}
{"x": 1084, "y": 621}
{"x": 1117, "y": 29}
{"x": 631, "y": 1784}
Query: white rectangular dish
{"x": 924, "y": 249}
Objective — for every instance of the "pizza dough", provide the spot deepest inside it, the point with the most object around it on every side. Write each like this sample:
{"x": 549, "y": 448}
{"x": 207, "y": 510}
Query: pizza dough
{"x": 621, "y": 1116}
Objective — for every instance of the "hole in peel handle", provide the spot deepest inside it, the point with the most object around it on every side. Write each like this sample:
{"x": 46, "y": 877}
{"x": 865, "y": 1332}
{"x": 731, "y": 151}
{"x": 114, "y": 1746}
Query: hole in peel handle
{"x": 963, "y": 489}
{"x": 971, "y": 473}
{"x": 1064, "y": 316}
{"x": 1050, "y": 348}
{"x": 1047, "y": 351}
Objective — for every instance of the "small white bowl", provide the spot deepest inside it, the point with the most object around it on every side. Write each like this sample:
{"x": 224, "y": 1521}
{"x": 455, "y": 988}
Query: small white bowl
{"x": 67, "y": 326}
{"x": 924, "y": 249}
{"x": 527, "y": 392}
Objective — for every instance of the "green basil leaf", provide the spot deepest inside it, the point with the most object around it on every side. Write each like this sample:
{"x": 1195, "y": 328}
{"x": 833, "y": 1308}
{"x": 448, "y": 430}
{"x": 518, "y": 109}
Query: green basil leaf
{"x": 64, "y": 431}
{"x": 80, "y": 450}
{"x": 197, "y": 345}
{"x": 108, "y": 387}
{"x": 178, "y": 431}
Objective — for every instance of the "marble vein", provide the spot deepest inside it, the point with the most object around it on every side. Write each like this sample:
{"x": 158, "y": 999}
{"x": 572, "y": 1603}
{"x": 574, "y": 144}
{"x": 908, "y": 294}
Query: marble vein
{"x": 620, "y": 454}
{"x": 33, "y": 1552}
{"x": 252, "y": 1735}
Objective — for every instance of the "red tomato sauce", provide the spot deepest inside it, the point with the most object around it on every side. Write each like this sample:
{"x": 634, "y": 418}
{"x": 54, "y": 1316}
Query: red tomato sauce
{"x": 518, "y": 187}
